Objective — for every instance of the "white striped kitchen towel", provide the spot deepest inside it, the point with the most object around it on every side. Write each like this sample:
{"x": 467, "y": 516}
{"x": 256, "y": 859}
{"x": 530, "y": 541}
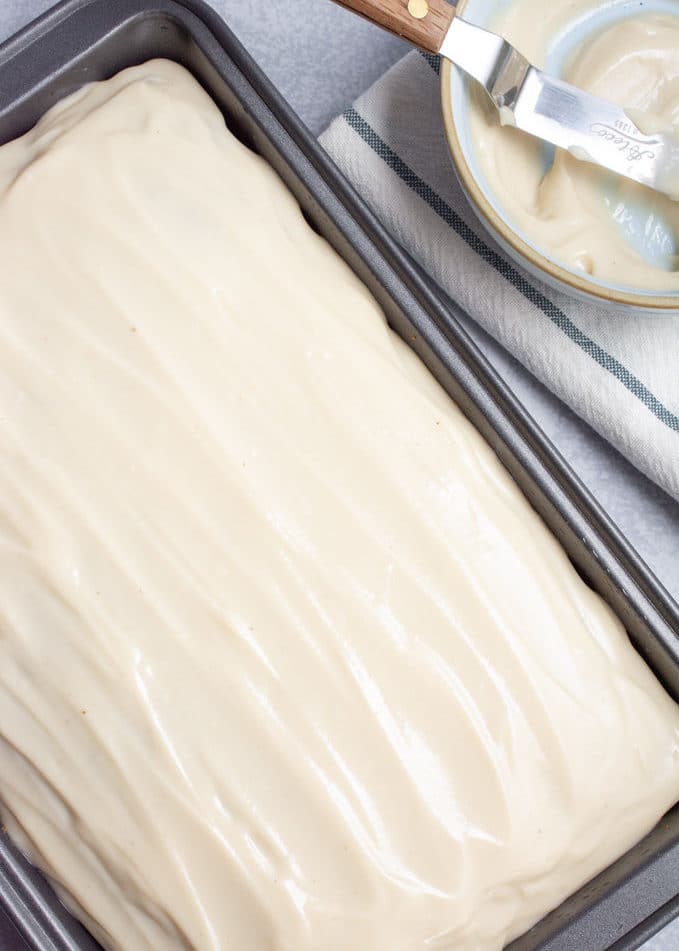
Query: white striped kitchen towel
{"x": 619, "y": 372}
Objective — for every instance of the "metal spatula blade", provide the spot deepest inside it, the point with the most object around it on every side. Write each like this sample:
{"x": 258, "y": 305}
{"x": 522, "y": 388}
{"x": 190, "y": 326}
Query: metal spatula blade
{"x": 591, "y": 129}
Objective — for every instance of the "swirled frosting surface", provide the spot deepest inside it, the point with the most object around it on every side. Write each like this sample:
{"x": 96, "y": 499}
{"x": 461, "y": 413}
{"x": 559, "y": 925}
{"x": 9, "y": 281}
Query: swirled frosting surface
{"x": 580, "y": 215}
{"x": 287, "y": 661}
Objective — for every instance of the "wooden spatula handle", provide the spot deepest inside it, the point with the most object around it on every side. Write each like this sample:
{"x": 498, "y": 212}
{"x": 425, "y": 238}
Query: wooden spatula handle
{"x": 422, "y": 22}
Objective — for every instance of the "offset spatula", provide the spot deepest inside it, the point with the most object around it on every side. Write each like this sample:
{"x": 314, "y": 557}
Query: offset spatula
{"x": 590, "y": 128}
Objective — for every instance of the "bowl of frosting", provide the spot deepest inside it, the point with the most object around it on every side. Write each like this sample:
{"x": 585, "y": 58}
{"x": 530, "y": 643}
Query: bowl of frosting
{"x": 575, "y": 225}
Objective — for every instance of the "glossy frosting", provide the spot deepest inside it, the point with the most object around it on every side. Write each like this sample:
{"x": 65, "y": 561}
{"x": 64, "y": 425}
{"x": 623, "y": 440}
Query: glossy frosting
{"x": 582, "y": 216}
{"x": 286, "y": 660}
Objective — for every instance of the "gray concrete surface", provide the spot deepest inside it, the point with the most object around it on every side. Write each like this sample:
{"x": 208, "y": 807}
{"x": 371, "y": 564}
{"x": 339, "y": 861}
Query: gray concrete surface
{"x": 322, "y": 57}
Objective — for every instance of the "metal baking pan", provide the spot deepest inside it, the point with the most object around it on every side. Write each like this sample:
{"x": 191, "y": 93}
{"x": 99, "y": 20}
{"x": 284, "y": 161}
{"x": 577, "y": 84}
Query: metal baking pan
{"x": 84, "y": 40}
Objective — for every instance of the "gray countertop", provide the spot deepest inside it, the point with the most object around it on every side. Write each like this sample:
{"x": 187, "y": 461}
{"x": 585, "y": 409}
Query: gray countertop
{"x": 321, "y": 58}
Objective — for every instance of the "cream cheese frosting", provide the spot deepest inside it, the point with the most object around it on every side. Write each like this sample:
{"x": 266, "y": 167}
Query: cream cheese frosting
{"x": 583, "y": 216}
{"x": 287, "y": 661}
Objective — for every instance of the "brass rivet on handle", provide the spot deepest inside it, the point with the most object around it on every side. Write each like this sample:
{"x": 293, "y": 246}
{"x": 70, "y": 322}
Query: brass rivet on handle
{"x": 418, "y": 9}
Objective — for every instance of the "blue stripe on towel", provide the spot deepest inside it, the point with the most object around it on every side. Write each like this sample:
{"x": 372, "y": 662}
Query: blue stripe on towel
{"x": 507, "y": 270}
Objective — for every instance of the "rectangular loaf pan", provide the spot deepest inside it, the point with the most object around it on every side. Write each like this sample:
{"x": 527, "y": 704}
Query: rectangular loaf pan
{"x": 84, "y": 40}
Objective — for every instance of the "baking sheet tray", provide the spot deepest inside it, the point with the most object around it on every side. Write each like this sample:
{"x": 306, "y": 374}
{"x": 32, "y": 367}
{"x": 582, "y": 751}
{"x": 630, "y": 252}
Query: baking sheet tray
{"x": 85, "y": 40}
